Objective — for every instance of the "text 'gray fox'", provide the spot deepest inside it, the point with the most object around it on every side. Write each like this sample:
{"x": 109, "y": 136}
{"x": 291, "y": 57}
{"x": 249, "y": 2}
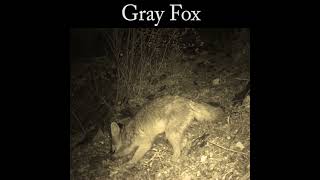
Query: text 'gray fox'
{"x": 168, "y": 114}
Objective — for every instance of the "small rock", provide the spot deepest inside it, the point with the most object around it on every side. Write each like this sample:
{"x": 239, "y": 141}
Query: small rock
{"x": 203, "y": 159}
{"x": 240, "y": 145}
{"x": 216, "y": 81}
{"x": 211, "y": 154}
{"x": 211, "y": 167}
{"x": 198, "y": 173}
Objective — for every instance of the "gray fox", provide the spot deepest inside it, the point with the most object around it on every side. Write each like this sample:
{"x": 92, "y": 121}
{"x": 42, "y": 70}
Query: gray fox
{"x": 168, "y": 114}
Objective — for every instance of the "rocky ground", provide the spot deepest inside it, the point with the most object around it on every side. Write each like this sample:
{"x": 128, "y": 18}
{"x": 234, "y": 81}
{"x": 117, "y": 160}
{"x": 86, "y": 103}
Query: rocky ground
{"x": 220, "y": 150}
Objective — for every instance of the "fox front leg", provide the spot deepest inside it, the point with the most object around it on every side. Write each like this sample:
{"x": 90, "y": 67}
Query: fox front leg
{"x": 124, "y": 152}
{"x": 141, "y": 151}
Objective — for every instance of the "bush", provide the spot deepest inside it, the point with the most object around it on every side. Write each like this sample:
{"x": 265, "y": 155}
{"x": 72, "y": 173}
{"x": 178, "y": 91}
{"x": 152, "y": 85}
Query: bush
{"x": 140, "y": 54}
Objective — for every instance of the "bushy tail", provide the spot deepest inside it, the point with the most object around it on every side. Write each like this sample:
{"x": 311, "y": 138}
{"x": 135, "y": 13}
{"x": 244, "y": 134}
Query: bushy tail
{"x": 203, "y": 111}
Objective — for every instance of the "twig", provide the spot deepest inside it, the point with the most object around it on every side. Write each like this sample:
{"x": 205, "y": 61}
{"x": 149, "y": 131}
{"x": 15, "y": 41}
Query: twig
{"x": 229, "y": 149}
{"x": 82, "y": 128}
{"x": 228, "y": 120}
{"x": 242, "y": 79}
{"x": 154, "y": 155}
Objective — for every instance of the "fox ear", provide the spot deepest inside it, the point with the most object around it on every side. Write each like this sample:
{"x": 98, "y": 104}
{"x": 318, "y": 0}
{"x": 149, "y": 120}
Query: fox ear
{"x": 115, "y": 129}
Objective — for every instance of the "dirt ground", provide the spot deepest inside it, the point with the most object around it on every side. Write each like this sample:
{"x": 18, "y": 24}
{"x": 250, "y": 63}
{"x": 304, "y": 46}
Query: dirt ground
{"x": 218, "y": 150}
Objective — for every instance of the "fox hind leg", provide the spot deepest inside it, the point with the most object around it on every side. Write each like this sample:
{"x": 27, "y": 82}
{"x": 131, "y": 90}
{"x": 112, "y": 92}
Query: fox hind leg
{"x": 175, "y": 140}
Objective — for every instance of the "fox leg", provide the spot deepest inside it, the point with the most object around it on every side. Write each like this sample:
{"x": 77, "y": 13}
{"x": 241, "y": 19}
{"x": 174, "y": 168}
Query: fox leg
{"x": 141, "y": 151}
{"x": 175, "y": 140}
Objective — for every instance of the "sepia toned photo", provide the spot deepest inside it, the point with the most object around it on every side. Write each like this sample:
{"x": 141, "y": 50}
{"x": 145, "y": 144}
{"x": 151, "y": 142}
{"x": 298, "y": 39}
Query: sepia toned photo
{"x": 159, "y": 103}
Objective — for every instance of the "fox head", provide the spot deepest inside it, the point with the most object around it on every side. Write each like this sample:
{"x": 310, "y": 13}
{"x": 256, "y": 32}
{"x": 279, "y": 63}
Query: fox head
{"x": 116, "y": 137}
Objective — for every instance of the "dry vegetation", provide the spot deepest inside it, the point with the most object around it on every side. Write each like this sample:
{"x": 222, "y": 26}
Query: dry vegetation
{"x": 148, "y": 63}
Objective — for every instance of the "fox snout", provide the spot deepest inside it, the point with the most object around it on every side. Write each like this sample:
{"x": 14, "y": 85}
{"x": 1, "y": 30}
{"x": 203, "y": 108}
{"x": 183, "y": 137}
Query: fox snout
{"x": 112, "y": 151}
{"x": 113, "y": 157}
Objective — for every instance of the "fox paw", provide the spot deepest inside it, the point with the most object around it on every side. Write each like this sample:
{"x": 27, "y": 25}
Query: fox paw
{"x": 175, "y": 158}
{"x": 130, "y": 164}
